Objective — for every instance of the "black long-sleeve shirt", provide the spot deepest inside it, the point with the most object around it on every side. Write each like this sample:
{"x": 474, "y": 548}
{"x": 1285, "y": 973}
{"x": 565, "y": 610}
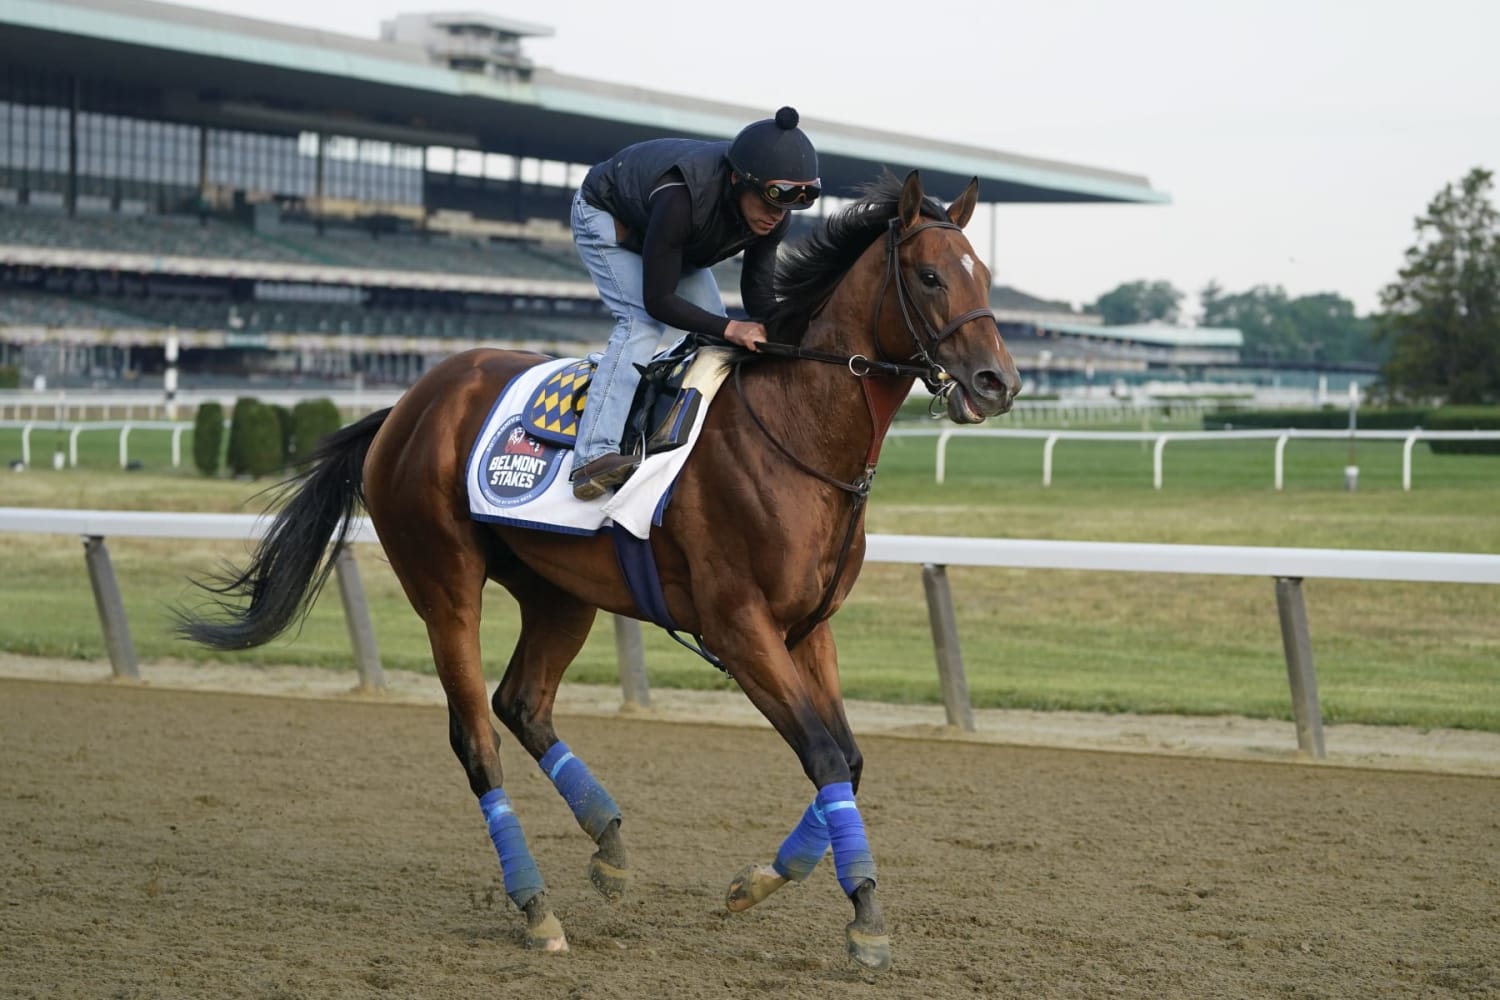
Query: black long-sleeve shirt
{"x": 668, "y": 231}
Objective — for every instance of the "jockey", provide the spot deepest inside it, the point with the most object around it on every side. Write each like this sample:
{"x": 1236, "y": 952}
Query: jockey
{"x": 649, "y": 222}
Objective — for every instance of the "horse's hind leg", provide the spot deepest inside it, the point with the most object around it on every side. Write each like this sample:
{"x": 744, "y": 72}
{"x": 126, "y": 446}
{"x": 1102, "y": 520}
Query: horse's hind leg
{"x": 456, "y": 650}
{"x": 554, "y": 625}
{"x": 443, "y": 573}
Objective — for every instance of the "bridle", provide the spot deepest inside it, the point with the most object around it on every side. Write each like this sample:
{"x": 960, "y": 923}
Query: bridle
{"x": 932, "y": 374}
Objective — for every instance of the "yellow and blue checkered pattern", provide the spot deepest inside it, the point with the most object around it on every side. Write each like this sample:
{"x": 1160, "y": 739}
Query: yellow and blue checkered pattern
{"x": 553, "y": 413}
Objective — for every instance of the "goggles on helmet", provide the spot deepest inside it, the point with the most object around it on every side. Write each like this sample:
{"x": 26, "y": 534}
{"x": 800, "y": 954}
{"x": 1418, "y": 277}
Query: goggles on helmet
{"x": 791, "y": 194}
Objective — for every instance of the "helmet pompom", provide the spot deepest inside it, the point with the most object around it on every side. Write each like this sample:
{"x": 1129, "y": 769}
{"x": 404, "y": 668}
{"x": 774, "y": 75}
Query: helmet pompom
{"x": 787, "y": 118}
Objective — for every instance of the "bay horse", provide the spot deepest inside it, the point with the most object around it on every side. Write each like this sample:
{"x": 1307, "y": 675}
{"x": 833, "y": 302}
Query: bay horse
{"x": 761, "y": 543}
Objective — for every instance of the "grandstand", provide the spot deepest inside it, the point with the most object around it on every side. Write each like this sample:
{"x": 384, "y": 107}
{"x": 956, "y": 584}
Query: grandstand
{"x": 276, "y": 200}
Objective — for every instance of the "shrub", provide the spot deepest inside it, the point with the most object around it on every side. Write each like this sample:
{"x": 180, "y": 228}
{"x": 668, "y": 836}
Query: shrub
{"x": 284, "y": 425}
{"x": 1464, "y": 418}
{"x": 312, "y": 421}
{"x": 1334, "y": 418}
{"x": 232, "y": 453}
{"x": 208, "y": 438}
{"x": 254, "y": 439}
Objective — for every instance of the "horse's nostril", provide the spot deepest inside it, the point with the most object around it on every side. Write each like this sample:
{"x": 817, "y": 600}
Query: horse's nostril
{"x": 992, "y": 383}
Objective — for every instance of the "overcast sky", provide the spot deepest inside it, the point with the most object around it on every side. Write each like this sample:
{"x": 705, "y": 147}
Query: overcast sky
{"x": 1298, "y": 139}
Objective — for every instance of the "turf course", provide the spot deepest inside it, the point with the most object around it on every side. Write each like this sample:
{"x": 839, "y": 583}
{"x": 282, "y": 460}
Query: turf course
{"x": 1385, "y": 653}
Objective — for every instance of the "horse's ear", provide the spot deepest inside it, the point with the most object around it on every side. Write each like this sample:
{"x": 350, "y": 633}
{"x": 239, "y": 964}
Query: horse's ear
{"x": 910, "y": 205}
{"x": 962, "y": 208}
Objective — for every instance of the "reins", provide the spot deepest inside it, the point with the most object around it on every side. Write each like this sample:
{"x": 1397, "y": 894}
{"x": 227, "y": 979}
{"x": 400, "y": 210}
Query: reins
{"x": 936, "y": 378}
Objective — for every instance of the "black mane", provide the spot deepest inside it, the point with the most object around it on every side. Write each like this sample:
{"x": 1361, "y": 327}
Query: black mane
{"x": 809, "y": 269}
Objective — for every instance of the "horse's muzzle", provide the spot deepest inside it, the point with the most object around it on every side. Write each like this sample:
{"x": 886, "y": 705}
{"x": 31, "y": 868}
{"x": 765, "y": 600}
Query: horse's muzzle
{"x": 993, "y": 391}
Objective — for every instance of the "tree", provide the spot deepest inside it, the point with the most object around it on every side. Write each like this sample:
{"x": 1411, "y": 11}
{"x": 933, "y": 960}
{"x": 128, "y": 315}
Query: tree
{"x": 1442, "y": 316}
{"x": 1139, "y": 302}
{"x": 1319, "y": 327}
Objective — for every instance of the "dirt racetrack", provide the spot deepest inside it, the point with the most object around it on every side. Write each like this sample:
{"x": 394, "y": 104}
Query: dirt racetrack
{"x": 183, "y": 844}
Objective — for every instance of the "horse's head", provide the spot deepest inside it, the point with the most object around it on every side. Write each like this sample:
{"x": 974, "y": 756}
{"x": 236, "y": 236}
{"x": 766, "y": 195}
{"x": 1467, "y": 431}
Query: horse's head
{"x": 942, "y": 315}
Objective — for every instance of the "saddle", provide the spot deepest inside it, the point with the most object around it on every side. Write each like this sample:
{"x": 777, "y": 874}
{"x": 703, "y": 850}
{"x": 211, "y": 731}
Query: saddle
{"x": 661, "y": 415}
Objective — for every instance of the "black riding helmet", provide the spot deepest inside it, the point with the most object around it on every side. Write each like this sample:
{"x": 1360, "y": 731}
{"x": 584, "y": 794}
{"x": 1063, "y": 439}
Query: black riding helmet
{"x": 774, "y": 158}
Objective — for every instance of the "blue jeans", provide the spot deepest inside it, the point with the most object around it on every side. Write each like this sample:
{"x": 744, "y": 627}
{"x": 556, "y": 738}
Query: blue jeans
{"x": 618, "y": 273}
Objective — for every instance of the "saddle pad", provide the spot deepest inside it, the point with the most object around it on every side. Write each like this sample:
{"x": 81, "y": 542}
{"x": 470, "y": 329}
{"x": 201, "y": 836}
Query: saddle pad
{"x": 517, "y": 477}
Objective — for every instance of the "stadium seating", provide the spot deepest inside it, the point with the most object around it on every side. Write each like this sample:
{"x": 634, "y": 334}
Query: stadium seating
{"x": 43, "y": 309}
{"x": 153, "y": 234}
{"x": 300, "y": 243}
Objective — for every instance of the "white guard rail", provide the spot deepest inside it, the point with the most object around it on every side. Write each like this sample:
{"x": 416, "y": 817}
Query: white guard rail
{"x": 176, "y": 428}
{"x": 1160, "y": 439}
{"x": 1286, "y": 566}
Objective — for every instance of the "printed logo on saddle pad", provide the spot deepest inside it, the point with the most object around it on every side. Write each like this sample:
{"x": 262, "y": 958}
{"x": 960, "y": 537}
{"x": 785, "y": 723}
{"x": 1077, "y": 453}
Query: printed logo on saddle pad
{"x": 553, "y": 413}
{"x": 517, "y": 467}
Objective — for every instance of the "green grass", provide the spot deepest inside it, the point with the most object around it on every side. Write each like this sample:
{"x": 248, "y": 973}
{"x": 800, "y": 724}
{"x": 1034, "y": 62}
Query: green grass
{"x": 1411, "y": 654}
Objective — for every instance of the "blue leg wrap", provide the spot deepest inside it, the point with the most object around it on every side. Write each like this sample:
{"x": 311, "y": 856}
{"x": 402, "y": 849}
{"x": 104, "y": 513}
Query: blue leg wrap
{"x": 591, "y": 804}
{"x": 851, "y": 851}
{"x": 804, "y": 847}
{"x": 522, "y": 880}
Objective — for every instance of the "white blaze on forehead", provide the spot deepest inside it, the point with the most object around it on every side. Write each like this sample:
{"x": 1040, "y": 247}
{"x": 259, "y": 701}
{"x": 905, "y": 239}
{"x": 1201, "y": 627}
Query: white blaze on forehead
{"x": 968, "y": 263}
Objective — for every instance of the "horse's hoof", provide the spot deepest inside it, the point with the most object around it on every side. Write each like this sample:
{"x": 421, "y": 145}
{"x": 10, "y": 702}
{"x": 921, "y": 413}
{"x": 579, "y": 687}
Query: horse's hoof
{"x": 872, "y": 951}
{"x": 547, "y": 935}
{"x": 611, "y": 882}
{"x": 752, "y": 885}
{"x": 544, "y": 931}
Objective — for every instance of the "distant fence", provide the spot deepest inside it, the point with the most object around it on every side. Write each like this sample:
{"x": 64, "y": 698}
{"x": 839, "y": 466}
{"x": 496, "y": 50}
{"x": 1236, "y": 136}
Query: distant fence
{"x": 1287, "y": 567}
{"x": 74, "y": 430}
{"x": 1052, "y": 413}
{"x": 1160, "y": 439}
{"x": 54, "y": 405}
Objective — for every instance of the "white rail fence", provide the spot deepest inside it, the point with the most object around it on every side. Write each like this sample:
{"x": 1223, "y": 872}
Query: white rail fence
{"x": 57, "y": 404}
{"x": 27, "y": 427}
{"x": 1287, "y": 567}
{"x": 1160, "y": 439}
{"x": 1049, "y": 438}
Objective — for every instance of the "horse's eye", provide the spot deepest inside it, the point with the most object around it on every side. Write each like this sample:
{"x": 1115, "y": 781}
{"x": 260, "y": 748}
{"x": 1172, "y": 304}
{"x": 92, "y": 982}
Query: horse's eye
{"x": 929, "y": 278}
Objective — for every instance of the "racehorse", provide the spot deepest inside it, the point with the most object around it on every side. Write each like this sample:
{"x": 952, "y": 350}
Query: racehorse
{"x": 761, "y": 542}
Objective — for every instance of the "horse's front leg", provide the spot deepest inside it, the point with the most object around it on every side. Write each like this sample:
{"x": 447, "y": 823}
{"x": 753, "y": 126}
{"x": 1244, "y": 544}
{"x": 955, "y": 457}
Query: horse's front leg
{"x": 799, "y": 694}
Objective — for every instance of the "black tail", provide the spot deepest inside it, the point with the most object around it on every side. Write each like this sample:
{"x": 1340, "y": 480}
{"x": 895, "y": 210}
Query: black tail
{"x": 293, "y": 560}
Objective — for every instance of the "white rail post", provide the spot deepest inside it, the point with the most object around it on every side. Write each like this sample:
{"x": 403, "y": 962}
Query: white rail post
{"x": 1156, "y": 452}
{"x": 1406, "y": 447}
{"x": 125, "y": 446}
{"x": 1047, "y": 459}
{"x": 1297, "y": 642}
{"x": 1280, "y": 466}
{"x": 73, "y": 446}
{"x": 177, "y": 446}
{"x": 951, "y": 677}
{"x": 631, "y": 656}
{"x": 357, "y": 618}
{"x": 111, "y": 608}
{"x": 941, "y": 473}
{"x": 26, "y": 443}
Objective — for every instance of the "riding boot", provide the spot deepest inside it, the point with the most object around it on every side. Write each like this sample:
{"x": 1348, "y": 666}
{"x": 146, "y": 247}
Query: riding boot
{"x": 603, "y": 474}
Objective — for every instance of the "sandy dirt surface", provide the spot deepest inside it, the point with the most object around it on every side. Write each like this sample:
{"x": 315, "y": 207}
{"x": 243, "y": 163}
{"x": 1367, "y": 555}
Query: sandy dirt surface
{"x": 1455, "y": 751}
{"x": 170, "y": 843}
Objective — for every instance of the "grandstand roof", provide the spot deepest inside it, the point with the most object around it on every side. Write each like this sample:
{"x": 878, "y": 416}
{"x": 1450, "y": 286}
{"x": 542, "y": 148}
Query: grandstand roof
{"x": 240, "y": 72}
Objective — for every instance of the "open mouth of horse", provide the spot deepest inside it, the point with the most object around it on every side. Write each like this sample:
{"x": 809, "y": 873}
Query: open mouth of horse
{"x": 961, "y": 407}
